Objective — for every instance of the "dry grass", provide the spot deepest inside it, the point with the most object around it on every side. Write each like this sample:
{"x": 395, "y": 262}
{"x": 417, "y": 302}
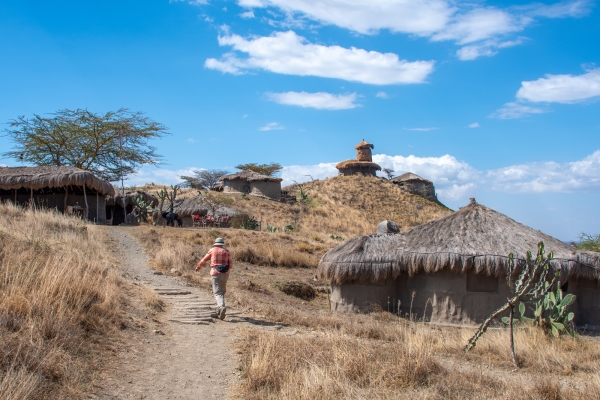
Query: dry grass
{"x": 376, "y": 355}
{"x": 60, "y": 302}
{"x": 327, "y": 355}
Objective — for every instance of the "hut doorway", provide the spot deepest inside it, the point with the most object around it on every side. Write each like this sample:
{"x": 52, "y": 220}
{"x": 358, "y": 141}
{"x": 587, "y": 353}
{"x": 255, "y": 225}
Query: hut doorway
{"x": 117, "y": 214}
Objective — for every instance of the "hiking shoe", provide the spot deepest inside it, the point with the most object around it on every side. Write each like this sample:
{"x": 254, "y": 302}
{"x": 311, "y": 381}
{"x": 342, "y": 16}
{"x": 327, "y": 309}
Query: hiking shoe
{"x": 222, "y": 312}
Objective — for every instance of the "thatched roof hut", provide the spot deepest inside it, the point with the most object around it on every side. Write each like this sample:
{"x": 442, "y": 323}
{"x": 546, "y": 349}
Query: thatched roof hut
{"x": 50, "y": 177}
{"x": 415, "y": 184}
{"x": 458, "y": 263}
{"x": 363, "y": 164}
{"x": 253, "y": 183}
{"x": 66, "y": 189}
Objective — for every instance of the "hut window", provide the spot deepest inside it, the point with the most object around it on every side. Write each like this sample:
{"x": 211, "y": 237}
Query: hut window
{"x": 482, "y": 283}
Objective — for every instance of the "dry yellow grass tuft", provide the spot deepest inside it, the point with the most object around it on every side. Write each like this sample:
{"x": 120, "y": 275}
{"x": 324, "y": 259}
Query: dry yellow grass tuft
{"x": 60, "y": 300}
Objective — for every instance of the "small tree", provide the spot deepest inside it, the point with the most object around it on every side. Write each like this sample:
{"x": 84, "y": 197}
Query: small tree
{"x": 204, "y": 178}
{"x": 108, "y": 144}
{"x": 589, "y": 242}
{"x": 265, "y": 169}
{"x": 389, "y": 173}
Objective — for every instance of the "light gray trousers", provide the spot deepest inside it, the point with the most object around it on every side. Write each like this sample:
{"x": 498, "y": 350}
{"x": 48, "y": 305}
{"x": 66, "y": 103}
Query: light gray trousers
{"x": 219, "y": 284}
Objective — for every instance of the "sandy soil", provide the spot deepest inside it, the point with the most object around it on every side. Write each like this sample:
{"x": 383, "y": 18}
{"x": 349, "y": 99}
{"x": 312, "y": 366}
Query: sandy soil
{"x": 165, "y": 359}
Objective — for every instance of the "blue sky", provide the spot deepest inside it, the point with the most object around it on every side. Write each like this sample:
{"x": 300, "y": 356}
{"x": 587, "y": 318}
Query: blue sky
{"x": 496, "y": 100}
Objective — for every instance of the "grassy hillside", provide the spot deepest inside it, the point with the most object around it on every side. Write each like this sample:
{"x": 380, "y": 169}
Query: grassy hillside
{"x": 61, "y": 304}
{"x": 344, "y": 206}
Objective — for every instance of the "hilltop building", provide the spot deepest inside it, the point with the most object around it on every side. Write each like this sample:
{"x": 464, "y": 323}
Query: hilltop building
{"x": 362, "y": 165}
{"x": 414, "y": 184}
{"x": 252, "y": 183}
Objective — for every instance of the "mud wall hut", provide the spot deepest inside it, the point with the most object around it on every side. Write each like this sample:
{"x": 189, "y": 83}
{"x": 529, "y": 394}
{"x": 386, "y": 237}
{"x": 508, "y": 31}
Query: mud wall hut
{"x": 363, "y": 164}
{"x": 253, "y": 183}
{"x": 415, "y": 184}
{"x": 452, "y": 271}
{"x": 59, "y": 188}
{"x": 115, "y": 205}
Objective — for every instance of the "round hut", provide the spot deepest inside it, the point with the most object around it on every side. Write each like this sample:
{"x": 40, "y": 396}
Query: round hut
{"x": 415, "y": 184}
{"x": 362, "y": 165}
{"x": 252, "y": 183}
{"x": 66, "y": 189}
{"x": 452, "y": 270}
{"x": 116, "y": 204}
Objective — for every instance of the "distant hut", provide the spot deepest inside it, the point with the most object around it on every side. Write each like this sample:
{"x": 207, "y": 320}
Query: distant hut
{"x": 116, "y": 204}
{"x": 415, "y": 184}
{"x": 58, "y": 187}
{"x": 252, "y": 183}
{"x": 362, "y": 165}
{"x": 452, "y": 270}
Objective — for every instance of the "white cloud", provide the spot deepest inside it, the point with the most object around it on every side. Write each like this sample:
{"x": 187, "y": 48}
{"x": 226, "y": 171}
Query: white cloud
{"x": 148, "y": 174}
{"x": 290, "y": 54}
{"x": 516, "y": 110}
{"x": 272, "y": 126}
{"x": 564, "y": 9}
{"x": 319, "y": 100}
{"x": 480, "y": 24}
{"x": 382, "y": 95}
{"x": 191, "y": 140}
{"x": 544, "y": 177}
{"x": 421, "y": 129}
{"x": 245, "y": 116}
{"x": 485, "y": 49}
{"x": 474, "y": 125}
{"x": 300, "y": 173}
{"x": 247, "y": 14}
{"x": 420, "y": 17}
{"x": 561, "y": 88}
{"x": 485, "y": 29}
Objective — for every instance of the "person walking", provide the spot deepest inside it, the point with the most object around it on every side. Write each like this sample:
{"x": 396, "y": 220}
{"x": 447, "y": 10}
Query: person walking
{"x": 220, "y": 266}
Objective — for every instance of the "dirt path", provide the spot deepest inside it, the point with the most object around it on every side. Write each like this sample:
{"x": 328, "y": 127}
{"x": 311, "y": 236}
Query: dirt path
{"x": 170, "y": 360}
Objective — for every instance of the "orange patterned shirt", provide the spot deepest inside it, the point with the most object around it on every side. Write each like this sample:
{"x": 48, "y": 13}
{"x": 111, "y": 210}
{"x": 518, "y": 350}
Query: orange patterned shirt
{"x": 218, "y": 256}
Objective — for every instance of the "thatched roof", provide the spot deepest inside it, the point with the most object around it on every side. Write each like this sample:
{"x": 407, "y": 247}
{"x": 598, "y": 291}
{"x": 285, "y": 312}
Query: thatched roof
{"x": 51, "y": 177}
{"x": 151, "y": 200}
{"x": 475, "y": 238}
{"x": 409, "y": 176}
{"x": 250, "y": 176}
{"x": 363, "y": 144}
{"x": 359, "y": 164}
{"x": 194, "y": 206}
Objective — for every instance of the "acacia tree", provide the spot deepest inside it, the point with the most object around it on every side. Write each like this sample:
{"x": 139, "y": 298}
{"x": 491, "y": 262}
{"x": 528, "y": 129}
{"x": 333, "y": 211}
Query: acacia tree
{"x": 204, "y": 178}
{"x": 265, "y": 169}
{"x": 108, "y": 144}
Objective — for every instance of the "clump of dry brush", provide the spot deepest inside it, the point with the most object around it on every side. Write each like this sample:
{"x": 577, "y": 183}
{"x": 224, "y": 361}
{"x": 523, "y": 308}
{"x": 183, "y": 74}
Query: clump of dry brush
{"x": 59, "y": 301}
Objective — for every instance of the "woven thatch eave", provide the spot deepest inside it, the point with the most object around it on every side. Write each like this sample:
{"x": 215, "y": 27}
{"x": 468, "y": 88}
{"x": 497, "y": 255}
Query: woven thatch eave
{"x": 409, "y": 176}
{"x": 475, "y": 238}
{"x": 250, "y": 176}
{"x": 357, "y": 164}
{"x": 52, "y": 177}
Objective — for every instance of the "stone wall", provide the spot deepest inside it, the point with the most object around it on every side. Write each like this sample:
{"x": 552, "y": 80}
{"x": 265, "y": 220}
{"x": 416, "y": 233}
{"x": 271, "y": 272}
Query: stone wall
{"x": 257, "y": 188}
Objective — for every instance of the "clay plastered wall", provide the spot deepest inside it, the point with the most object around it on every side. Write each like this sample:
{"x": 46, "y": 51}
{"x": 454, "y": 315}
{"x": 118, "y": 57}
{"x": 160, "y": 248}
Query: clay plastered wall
{"x": 358, "y": 297}
{"x": 259, "y": 188}
{"x": 357, "y": 170}
{"x": 449, "y": 298}
{"x": 587, "y": 304}
{"x": 269, "y": 189}
{"x": 420, "y": 188}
